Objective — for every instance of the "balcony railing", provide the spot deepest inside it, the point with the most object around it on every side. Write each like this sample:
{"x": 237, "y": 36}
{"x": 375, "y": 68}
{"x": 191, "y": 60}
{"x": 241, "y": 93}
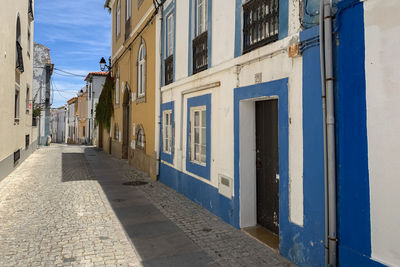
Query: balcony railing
{"x": 261, "y": 19}
{"x": 19, "y": 59}
{"x": 30, "y": 10}
{"x": 200, "y": 53}
{"x": 169, "y": 69}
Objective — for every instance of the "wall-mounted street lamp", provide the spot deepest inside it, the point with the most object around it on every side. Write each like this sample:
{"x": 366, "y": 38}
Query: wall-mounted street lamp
{"x": 103, "y": 64}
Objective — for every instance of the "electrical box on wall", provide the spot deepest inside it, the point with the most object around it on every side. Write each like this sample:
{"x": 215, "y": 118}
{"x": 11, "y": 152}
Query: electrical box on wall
{"x": 225, "y": 186}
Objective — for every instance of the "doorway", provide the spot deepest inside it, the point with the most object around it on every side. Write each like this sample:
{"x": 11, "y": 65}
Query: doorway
{"x": 126, "y": 124}
{"x": 267, "y": 165}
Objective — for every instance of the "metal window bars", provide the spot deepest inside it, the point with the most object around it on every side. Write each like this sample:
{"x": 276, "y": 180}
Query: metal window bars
{"x": 19, "y": 58}
{"x": 261, "y": 21}
{"x": 169, "y": 69}
{"x": 30, "y": 10}
{"x": 200, "y": 52}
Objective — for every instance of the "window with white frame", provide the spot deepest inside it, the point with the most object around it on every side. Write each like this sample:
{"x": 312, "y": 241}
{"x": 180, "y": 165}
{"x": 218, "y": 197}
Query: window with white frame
{"x": 141, "y": 79}
{"x": 202, "y": 16}
{"x": 170, "y": 35}
{"x": 198, "y": 135}
{"x": 118, "y": 18}
{"x": 117, "y": 87}
{"x": 167, "y": 131}
{"x": 128, "y": 9}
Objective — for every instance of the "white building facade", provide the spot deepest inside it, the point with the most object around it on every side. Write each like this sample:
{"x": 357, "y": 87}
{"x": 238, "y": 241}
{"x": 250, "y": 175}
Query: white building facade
{"x": 18, "y": 138}
{"x": 242, "y": 121}
{"x": 58, "y": 125}
{"x": 94, "y": 84}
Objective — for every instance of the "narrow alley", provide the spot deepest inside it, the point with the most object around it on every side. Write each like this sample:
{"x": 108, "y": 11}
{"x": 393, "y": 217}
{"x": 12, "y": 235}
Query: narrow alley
{"x": 79, "y": 213}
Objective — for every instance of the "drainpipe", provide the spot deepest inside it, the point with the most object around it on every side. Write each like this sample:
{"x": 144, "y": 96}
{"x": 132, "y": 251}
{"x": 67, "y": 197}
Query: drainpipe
{"x": 322, "y": 63}
{"x": 158, "y": 128}
{"x": 330, "y": 153}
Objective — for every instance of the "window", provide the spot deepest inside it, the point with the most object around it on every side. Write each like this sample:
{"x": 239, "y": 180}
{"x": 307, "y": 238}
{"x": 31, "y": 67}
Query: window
{"x": 30, "y": 9}
{"x": 116, "y": 131}
{"x": 202, "y": 16}
{"x": 141, "y": 71}
{"x": 117, "y": 87}
{"x": 167, "y": 131}
{"x": 118, "y": 19}
{"x": 140, "y": 138}
{"x": 28, "y": 95}
{"x": 198, "y": 135}
{"x": 83, "y": 131}
{"x": 19, "y": 65}
{"x": 16, "y": 103}
{"x": 128, "y": 12}
{"x": 260, "y": 18}
{"x": 27, "y": 142}
{"x": 169, "y": 61}
{"x": 170, "y": 35}
{"x": 128, "y": 9}
{"x": 29, "y": 38}
{"x": 200, "y": 43}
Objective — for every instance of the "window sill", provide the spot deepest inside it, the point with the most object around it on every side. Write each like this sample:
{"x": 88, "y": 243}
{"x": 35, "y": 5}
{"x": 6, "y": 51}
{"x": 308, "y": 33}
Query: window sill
{"x": 141, "y": 99}
{"x": 198, "y": 163}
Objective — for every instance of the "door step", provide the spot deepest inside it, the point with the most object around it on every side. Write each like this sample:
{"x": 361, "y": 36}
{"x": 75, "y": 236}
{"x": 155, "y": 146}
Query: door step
{"x": 263, "y": 236}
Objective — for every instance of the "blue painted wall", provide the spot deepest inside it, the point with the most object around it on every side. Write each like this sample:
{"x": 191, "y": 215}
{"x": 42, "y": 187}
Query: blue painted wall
{"x": 354, "y": 229}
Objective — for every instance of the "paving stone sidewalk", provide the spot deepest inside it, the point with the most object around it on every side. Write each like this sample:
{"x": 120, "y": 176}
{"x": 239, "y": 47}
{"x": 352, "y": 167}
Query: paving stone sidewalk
{"x": 66, "y": 206}
{"x": 225, "y": 244}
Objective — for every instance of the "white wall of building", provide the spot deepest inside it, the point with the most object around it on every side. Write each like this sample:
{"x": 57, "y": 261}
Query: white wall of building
{"x": 273, "y": 62}
{"x": 12, "y": 133}
{"x": 382, "y": 65}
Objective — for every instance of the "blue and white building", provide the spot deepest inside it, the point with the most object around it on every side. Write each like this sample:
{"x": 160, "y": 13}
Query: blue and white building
{"x": 242, "y": 121}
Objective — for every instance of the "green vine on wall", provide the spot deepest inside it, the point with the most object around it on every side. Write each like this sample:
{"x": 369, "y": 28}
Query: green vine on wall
{"x": 105, "y": 108}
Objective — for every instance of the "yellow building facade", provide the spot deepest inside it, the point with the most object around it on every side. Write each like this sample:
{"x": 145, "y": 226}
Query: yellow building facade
{"x": 82, "y": 117}
{"x": 134, "y": 71}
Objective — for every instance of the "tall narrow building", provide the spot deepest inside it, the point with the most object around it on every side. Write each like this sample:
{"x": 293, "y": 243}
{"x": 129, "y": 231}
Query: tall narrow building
{"x": 18, "y": 135}
{"x": 134, "y": 72}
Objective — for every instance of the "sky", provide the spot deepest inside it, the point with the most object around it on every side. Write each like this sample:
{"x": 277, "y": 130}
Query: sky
{"x": 78, "y": 34}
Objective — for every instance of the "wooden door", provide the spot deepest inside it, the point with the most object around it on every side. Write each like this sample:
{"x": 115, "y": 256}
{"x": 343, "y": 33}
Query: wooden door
{"x": 267, "y": 164}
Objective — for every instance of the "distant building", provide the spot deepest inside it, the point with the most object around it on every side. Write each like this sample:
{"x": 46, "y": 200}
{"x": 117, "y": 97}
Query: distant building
{"x": 94, "y": 85}
{"x": 82, "y": 117}
{"x": 57, "y": 124}
{"x": 70, "y": 121}
{"x": 42, "y": 71}
{"x": 18, "y": 139}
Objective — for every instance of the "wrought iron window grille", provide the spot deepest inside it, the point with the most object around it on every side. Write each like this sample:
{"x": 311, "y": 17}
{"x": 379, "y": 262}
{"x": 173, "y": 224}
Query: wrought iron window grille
{"x": 30, "y": 10}
{"x": 19, "y": 61}
{"x": 169, "y": 69}
{"x": 200, "y": 52}
{"x": 261, "y": 21}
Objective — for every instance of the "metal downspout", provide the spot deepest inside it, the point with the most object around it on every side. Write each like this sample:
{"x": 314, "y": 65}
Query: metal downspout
{"x": 160, "y": 94}
{"x": 330, "y": 135}
{"x": 322, "y": 63}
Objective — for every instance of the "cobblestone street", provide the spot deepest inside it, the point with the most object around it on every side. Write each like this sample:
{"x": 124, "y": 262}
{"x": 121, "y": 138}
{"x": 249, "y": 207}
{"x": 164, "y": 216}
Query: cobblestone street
{"x": 66, "y": 206}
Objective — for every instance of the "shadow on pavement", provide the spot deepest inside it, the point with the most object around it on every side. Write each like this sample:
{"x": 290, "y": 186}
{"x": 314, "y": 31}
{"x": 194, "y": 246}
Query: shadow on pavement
{"x": 75, "y": 167}
{"x": 157, "y": 240}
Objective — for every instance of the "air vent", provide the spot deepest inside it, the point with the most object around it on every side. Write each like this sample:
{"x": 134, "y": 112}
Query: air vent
{"x": 225, "y": 186}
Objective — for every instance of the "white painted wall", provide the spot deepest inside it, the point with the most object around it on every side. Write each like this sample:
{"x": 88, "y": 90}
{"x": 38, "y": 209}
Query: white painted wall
{"x": 382, "y": 64}
{"x": 273, "y": 62}
{"x": 223, "y": 31}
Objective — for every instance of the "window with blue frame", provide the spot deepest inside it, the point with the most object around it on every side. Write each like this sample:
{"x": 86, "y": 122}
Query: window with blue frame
{"x": 200, "y": 42}
{"x": 169, "y": 49}
{"x": 199, "y": 135}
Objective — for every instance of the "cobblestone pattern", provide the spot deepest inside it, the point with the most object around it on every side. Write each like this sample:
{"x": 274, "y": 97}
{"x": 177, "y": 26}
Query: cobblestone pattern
{"x": 225, "y": 244}
{"x": 55, "y": 215}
